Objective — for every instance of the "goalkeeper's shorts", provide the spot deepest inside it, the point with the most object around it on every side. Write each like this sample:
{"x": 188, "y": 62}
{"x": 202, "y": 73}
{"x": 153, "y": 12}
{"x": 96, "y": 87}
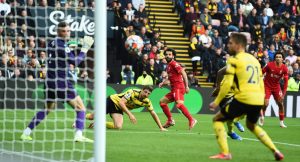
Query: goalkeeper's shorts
{"x": 52, "y": 95}
{"x": 59, "y": 91}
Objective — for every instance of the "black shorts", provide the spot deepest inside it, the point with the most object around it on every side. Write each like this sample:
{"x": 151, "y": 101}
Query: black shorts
{"x": 235, "y": 109}
{"x": 57, "y": 95}
{"x": 111, "y": 107}
{"x": 225, "y": 102}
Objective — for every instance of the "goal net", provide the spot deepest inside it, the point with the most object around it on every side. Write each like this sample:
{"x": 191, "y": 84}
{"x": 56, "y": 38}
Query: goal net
{"x": 26, "y": 28}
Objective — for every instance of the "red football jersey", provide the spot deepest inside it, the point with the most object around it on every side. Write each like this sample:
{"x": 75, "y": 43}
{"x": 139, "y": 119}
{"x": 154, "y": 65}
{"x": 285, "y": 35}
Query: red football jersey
{"x": 175, "y": 77}
{"x": 274, "y": 74}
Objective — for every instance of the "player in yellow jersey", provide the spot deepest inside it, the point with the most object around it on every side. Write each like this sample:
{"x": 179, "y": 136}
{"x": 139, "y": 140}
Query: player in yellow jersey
{"x": 224, "y": 103}
{"x": 116, "y": 104}
{"x": 242, "y": 70}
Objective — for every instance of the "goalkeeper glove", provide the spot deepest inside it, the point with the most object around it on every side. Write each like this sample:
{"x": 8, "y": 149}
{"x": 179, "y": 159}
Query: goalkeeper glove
{"x": 87, "y": 43}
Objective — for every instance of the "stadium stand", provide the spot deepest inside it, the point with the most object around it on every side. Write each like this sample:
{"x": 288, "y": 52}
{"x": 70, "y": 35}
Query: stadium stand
{"x": 177, "y": 22}
{"x": 168, "y": 23}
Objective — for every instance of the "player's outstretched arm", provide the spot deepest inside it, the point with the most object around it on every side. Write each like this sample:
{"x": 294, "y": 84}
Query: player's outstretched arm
{"x": 156, "y": 119}
{"x": 87, "y": 43}
{"x": 265, "y": 69}
{"x": 220, "y": 76}
{"x": 225, "y": 88}
{"x": 226, "y": 83}
{"x": 165, "y": 82}
{"x": 124, "y": 108}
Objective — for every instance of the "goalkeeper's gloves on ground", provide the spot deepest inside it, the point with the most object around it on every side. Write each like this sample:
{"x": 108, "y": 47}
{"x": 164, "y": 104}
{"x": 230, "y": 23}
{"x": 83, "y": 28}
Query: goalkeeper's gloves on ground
{"x": 87, "y": 43}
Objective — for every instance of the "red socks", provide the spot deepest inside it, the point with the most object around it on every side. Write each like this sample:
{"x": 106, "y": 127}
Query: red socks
{"x": 281, "y": 116}
{"x": 185, "y": 111}
{"x": 166, "y": 110}
{"x": 181, "y": 107}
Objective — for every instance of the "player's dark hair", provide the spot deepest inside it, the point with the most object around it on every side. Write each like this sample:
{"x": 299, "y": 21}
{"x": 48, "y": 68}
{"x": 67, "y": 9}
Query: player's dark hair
{"x": 172, "y": 50}
{"x": 278, "y": 53}
{"x": 150, "y": 88}
{"x": 62, "y": 24}
{"x": 239, "y": 38}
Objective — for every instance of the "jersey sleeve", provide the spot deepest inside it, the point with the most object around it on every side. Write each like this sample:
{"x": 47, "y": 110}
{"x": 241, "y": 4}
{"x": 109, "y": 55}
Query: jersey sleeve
{"x": 177, "y": 67}
{"x": 72, "y": 59}
{"x": 149, "y": 105}
{"x": 227, "y": 82}
{"x": 230, "y": 66}
{"x": 128, "y": 94}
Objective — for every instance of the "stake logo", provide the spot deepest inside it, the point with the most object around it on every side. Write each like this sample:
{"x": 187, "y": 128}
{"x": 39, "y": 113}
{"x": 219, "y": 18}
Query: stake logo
{"x": 85, "y": 24}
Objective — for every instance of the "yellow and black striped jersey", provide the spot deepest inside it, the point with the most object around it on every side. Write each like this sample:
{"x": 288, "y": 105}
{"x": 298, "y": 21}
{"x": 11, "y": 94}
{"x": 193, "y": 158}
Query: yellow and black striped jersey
{"x": 133, "y": 100}
{"x": 243, "y": 72}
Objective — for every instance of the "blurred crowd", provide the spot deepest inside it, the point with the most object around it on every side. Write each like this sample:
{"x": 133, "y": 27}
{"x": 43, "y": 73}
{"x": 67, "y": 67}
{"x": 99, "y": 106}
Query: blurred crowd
{"x": 147, "y": 65}
{"x": 22, "y": 50}
{"x": 269, "y": 25}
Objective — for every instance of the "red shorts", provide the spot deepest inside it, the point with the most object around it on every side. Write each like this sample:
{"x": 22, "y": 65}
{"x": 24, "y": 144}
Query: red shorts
{"x": 276, "y": 92}
{"x": 175, "y": 95}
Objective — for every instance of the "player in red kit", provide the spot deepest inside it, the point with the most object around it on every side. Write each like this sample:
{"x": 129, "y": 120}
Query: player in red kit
{"x": 274, "y": 71}
{"x": 179, "y": 86}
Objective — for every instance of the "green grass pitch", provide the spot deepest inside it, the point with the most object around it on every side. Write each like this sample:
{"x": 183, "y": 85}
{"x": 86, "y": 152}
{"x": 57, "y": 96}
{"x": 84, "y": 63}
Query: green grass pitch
{"x": 143, "y": 142}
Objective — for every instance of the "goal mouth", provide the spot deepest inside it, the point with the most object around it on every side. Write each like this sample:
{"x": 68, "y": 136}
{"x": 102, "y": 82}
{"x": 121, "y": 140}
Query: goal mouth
{"x": 40, "y": 66}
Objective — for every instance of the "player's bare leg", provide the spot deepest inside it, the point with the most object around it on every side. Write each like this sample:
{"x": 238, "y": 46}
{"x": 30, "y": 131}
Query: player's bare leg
{"x": 36, "y": 121}
{"x": 79, "y": 107}
{"x": 180, "y": 105}
{"x": 118, "y": 120}
{"x": 265, "y": 139}
{"x": 164, "y": 105}
{"x": 281, "y": 113}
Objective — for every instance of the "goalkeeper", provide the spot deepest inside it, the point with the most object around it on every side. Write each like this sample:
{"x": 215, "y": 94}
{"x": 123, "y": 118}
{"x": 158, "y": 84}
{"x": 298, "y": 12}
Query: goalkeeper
{"x": 118, "y": 104}
{"x": 57, "y": 86}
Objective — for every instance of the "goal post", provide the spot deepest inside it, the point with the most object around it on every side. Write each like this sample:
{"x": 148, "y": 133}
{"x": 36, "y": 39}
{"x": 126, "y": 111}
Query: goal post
{"x": 100, "y": 82}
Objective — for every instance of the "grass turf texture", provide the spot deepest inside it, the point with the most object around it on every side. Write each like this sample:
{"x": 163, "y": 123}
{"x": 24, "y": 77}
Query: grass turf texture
{"x": 53, "y": 139}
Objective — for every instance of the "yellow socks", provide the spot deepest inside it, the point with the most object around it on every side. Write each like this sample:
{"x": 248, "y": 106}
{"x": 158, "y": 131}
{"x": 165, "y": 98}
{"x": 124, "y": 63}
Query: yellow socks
{"x": 89, "y": 116}
{"x": 110, "y": 125}
{"x": 221, "y": 136}
{"x": 264, "y": 138}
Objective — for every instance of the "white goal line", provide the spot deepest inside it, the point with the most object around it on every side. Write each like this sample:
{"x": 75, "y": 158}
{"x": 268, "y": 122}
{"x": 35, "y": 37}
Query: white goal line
{"x": 20, "y": 156}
